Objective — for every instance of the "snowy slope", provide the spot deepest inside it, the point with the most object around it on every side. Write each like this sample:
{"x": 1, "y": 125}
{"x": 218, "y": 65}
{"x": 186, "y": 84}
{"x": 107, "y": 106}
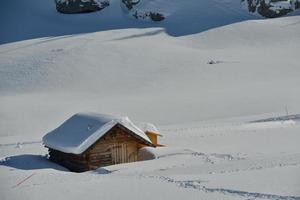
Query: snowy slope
{"x": 54, "y": 65}
{"x": 36, "y": 18}
{"x": 210, "y": 161}
{"x": 121, "y": 71}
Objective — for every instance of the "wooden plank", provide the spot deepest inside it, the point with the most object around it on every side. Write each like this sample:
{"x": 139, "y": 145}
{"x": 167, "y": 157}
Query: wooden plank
{"x": 100, "y": 157}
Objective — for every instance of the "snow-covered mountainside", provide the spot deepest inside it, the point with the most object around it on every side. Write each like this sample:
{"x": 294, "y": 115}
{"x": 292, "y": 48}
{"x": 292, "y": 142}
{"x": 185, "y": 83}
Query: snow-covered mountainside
{"x": 214, "y": 78}
{"x": 36, "y": 18}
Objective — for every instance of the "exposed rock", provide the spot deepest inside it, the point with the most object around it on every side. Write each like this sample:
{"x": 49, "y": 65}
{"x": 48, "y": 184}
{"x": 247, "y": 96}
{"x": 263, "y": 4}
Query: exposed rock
{"x": 137, "y": 10}
{"x": 148, "y": 15}
{"x": 297, "y": 4}
{"x": 80, "y": 6}
{"x": 271, "y": 8}
{"x": 156, "y": 16}
{"x": 130, "y": 3}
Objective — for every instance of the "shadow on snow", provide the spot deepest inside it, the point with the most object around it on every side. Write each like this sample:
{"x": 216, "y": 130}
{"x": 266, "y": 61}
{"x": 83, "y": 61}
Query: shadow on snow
{"x": 22, "y": 20}
{"x": 30, "y": 162}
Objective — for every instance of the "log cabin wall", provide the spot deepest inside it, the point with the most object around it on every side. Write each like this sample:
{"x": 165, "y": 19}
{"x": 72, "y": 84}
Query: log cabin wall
{"x": 117, "y": 146}
{"x": 73, "y": 162}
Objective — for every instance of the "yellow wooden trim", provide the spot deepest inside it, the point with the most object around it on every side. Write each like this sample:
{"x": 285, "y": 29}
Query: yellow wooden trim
{"x": 153, "y": 133}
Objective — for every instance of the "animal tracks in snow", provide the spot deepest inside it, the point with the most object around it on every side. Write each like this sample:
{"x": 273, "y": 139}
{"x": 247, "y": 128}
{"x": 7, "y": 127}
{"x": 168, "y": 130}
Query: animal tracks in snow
{"x": 199, "y": 185}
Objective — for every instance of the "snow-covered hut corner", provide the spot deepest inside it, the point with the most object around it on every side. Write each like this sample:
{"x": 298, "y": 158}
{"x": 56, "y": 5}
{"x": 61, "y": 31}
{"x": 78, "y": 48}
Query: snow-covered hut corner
{"x": 87, "y": 141}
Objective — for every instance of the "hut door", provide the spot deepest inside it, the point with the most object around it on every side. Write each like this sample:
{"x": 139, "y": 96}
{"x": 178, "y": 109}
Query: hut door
{"x": 123, "y": 153}
{"x": 118, "y": 153}
{"x": 132, "y": 152}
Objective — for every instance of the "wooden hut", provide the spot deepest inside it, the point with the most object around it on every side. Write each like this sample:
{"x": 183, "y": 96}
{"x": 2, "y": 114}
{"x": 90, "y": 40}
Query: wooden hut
{"x": 88, "y": 141}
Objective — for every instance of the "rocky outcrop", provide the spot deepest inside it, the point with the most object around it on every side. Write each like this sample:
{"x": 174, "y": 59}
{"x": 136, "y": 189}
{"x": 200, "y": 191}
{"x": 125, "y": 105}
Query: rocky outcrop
{"x": 132, "y": 7}
{"x": 154, "y": 16}
{"x": 80, "y": 6}
{"x": 130, "y": 3}
{"x": 271, "y": 8}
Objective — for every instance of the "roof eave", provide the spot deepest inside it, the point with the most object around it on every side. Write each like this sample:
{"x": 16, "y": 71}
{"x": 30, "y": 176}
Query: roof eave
{"x": 136, "y": 135}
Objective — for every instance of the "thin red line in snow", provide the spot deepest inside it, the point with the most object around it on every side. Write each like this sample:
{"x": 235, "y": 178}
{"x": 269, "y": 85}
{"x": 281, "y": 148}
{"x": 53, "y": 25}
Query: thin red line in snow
{"x": 25, "y": 179}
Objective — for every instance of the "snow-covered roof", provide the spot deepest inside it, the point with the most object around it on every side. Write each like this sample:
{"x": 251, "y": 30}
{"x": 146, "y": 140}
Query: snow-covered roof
{"x": 145, "y": 126}
{"x": 82, "y": 130}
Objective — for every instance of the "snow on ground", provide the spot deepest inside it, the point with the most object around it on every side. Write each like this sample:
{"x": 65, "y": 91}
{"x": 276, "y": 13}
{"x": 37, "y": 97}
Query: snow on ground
{"x": 184, "y": 169}
{"x": 220, "y": 122}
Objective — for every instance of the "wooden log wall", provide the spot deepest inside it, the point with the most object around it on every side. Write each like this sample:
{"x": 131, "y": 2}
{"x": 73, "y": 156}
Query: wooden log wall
{"x": 76, "y": 163}
{"x": 115, "y": 147}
